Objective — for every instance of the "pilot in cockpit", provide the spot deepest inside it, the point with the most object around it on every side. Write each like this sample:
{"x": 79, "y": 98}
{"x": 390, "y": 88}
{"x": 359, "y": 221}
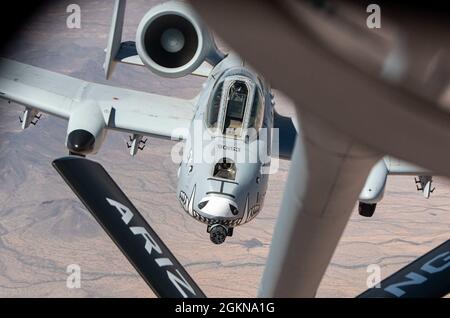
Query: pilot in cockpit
{"x": 237, "y": 100}
{"x": 228, "y": 107}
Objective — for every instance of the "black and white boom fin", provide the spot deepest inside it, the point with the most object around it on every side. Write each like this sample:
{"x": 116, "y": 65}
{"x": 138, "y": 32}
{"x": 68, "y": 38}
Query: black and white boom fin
{"x": 127, "y": 228}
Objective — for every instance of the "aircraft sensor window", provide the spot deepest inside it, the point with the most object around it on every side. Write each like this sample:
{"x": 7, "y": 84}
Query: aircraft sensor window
{"x": 257, "y": 112}
{"x": 237, "y": 99}
{"x": 213, "y": 113}
{"x": 225, "y": 169}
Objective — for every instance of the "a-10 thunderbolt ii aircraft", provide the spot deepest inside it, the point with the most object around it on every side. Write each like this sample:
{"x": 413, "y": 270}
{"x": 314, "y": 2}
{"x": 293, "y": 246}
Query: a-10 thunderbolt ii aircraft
{"x": 231, "y": 130}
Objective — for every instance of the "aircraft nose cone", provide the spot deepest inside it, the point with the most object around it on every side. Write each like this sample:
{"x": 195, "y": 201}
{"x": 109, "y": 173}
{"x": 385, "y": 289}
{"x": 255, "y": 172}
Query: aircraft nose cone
{"x": 80, "y": 141}
{"x": 218, "y": 206}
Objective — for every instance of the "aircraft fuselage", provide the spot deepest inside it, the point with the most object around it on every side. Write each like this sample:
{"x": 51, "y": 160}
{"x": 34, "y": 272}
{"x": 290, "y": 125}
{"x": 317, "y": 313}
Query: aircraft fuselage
{"x": 224, "y": 173}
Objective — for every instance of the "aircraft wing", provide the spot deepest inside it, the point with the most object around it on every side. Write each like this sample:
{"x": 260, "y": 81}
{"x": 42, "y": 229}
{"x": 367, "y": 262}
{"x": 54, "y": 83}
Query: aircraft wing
{"x": 396, "y": 166}
{"x": 128, "y": 110}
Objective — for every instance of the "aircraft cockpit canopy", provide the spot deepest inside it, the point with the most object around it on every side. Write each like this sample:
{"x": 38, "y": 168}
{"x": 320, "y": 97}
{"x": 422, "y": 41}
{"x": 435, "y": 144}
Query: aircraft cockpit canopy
{"x": 236, "y": 104}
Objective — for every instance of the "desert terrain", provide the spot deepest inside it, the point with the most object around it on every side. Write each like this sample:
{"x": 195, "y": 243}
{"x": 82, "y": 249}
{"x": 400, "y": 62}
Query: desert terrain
{"x": 44, "y": 228}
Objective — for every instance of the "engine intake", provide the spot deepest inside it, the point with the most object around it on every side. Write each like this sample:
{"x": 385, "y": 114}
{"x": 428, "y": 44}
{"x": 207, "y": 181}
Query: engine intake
{"x": 80, "y": 141}
{"x": 86, "y": 129}
{"x": 173, "y": 42}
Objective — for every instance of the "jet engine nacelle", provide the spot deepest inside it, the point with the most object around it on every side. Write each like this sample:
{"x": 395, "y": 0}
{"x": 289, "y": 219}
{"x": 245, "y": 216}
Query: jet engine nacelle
{"x": 373, "y": 190}
{"x": 172, "y": 41}
{"x": 86, "y": 130}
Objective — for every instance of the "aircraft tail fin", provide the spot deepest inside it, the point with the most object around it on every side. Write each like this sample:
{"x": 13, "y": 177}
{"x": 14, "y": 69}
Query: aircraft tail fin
{"x": 115, "y": 37}
{"x": 426, "y": 277}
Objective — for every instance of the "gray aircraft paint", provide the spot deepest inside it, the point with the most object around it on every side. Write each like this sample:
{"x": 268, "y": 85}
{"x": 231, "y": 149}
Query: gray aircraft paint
{"x": 196, "y": 181}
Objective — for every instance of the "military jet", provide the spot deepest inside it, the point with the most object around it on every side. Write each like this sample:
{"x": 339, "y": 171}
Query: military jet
{"x": 226, "y": 130}
{"x": 231, "y": 131}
